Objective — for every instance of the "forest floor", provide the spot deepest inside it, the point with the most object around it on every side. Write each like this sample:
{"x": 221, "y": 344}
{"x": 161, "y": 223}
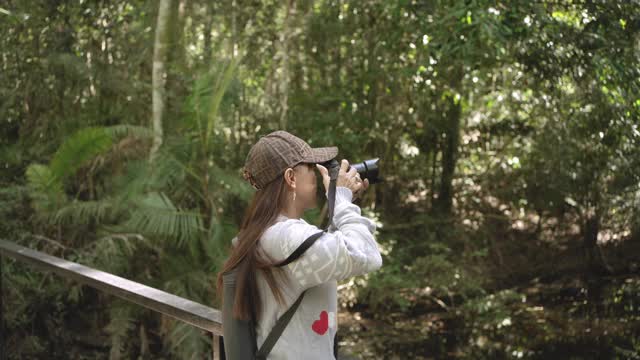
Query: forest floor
{"x": 557, "y": 321}
{"x": 560, "y": 316}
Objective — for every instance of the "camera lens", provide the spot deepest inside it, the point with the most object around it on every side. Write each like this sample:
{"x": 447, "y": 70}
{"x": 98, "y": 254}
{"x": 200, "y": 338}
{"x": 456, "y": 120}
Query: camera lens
{"x": 368, "y": 169}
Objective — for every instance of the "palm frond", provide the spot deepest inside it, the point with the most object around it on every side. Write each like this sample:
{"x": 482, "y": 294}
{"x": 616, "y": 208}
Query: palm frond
{"x": 87, "y": 143}
{"x": 113, "y": 251}
{"x": 128, "y": 130}
{"x": 80, "y": 148}
{"x": 156, "y": 215}
{"x": 220, "y": 87}
{"x": 206, "y": 97}
{"x": 132, "y": 182}
{"x": 45, "y": 189}
{"x": 82, "y": 212}
{"x": 168, "y": 170}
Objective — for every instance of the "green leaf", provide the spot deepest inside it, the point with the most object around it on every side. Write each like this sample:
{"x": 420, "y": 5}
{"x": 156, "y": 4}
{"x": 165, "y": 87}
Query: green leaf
{"x": 79, "y": 149}
{"x": 44, "y": 188}
{"x": 156, "y": 215}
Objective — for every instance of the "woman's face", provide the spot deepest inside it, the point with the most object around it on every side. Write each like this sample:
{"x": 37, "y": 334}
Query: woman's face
{"x": 304, "y": 177}
{"x": 306, "y": 186}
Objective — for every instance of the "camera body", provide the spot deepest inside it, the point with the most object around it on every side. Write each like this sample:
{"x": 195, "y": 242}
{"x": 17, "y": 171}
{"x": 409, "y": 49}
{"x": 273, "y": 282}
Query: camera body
{"x": 368, "y": 169}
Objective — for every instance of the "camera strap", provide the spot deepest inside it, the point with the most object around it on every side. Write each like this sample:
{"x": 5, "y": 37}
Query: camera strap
{"x": 334, "y": 169}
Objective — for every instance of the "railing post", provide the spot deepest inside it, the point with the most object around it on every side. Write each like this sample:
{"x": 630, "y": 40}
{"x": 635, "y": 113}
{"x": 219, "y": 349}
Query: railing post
{"x": 216, "y": 347}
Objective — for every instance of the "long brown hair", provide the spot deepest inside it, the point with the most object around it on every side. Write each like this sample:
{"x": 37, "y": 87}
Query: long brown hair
{"x": 261, "y": 213}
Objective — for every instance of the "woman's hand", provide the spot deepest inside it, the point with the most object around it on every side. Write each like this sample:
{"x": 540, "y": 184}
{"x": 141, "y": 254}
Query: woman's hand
{"x": 349, "y": 179}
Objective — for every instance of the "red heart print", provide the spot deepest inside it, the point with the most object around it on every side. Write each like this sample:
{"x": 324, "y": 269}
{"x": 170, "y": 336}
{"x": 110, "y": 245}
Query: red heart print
{"x": 321, "y": 326}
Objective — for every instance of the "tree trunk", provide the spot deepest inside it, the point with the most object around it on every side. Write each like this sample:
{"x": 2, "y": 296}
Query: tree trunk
{"x": 434, "y": 168}
{"x": 285, "y": 38}
{"x": 175, "y": 38}
{"x": 159, "y": 74}
{"x": 444, "y": 202}
{"x": 594, "y": 258}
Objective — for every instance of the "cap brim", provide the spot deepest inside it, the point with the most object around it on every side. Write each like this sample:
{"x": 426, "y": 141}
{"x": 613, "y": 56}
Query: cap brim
{"x": 320, "y": 155}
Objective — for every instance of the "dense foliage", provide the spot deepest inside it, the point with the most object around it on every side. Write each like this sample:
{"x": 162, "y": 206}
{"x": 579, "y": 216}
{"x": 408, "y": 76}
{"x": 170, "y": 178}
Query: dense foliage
{"x": 509, "y": 138}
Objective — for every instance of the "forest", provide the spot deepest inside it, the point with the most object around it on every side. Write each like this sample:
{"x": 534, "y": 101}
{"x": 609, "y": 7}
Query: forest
{"x": 508, "y": 134}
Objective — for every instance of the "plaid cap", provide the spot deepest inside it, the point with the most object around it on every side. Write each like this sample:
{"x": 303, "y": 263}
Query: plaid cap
{"x": 277, "y": 151}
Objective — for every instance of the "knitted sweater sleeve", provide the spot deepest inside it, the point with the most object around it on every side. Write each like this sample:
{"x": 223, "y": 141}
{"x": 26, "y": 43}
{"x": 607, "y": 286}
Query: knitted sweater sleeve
{"x": 349, "y": 250}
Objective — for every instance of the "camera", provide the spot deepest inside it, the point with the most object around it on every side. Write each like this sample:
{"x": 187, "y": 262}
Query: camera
{"x": 368, "y": 169}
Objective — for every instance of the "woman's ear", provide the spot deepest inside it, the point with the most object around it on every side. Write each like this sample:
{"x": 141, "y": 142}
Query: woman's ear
{"x": 290, "y": 177}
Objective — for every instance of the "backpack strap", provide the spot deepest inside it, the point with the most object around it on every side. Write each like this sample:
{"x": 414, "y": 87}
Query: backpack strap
{"x": 278, "y": 329}
{"x": 301, "y": 249}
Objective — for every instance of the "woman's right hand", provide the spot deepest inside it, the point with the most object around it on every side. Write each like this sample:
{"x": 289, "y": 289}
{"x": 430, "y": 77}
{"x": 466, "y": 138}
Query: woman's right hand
{"x": 349, "y": 179}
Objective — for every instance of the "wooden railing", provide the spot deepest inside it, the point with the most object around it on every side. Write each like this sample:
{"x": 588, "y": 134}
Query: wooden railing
{"x": 193, "y": 313}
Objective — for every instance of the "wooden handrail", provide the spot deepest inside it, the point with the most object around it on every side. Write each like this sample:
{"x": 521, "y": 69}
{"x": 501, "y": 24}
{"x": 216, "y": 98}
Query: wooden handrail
{"x": 191, "y": 312}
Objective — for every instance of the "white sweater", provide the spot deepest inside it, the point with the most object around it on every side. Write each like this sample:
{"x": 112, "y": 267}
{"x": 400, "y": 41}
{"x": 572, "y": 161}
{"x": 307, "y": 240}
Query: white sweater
{"x": 347, "y": 250}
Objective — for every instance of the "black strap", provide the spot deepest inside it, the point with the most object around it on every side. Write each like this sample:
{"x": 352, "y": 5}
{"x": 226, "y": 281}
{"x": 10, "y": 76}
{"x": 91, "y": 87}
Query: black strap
{"x": 331, "y": 196}
{"x": 301, "y": 249}
{"x": 278, "y": 329}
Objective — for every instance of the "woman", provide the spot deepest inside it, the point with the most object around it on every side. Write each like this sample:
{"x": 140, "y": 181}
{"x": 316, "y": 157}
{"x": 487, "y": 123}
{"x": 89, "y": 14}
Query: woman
{"x": 281, "y": 167}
